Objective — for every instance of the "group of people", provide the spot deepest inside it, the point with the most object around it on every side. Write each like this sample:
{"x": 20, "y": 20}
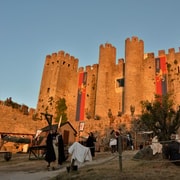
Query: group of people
{"x": 55, "y": 155}
{"x": 114, "y": 143}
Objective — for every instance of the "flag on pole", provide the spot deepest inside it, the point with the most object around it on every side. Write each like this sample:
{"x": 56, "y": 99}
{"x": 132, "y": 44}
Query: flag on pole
{"x": 59, "y": 124}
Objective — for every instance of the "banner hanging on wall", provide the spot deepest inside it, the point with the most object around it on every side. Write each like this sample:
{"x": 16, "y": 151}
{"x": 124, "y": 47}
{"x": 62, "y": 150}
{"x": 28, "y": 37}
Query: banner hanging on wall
{"x": 80, "y": 110}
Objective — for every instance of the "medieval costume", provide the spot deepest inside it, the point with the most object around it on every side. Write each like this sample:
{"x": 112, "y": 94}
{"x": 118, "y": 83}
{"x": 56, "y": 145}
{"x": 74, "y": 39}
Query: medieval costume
{"x": 60, "y": 145}
{"x": 50, "y": 153}
{"x": 91, "y": 143}
{"x": 113, "y": 141}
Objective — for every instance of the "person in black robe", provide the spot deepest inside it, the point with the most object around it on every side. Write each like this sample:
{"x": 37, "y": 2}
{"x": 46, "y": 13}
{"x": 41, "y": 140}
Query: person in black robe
{"x": 91, "y": 143}
{"x": 61, "y": 154}
{"x": 50, "y": 153}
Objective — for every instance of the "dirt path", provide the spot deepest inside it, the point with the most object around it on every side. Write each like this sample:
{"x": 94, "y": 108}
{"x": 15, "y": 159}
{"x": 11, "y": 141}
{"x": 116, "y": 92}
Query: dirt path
{"x": 20, "y": 167}
{"x": 104, "y": 166}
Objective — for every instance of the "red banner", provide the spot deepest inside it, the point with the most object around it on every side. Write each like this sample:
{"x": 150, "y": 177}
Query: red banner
{"x": 161, "y": 71}
{"x": 80, "y": 111}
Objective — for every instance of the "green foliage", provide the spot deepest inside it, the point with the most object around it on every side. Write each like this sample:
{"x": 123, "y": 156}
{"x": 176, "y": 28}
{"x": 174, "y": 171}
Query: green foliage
{"x": 61, "y": 110}
{"x": 159, "y": 117}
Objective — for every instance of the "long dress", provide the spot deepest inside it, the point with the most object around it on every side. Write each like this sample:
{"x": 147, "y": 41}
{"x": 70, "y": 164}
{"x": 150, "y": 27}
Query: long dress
{"x": 91, "y": 144}
{"x": 50, "y": 153}
{"x": 61, "y": 154}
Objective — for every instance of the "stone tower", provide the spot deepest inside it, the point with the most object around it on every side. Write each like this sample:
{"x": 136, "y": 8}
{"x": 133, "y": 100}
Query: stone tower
{"x": 110, "y": 82}
{"x": 105, "y": 81}
{"x": 134, "y": 56}
{"x": 59, "y": 80}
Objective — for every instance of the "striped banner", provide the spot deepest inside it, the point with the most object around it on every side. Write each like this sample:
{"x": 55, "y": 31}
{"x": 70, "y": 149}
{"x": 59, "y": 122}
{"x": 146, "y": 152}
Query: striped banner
{"x": 80, "y": 110}
{"x": 161, "y": 73}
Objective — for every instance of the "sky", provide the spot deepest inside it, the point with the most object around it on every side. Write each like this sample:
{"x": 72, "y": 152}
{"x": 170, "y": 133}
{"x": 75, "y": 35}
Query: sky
{"x": 31, "y": 30}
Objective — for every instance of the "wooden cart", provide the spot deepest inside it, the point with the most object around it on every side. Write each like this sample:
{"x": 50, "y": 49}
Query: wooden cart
{"x": 5, "y": 139}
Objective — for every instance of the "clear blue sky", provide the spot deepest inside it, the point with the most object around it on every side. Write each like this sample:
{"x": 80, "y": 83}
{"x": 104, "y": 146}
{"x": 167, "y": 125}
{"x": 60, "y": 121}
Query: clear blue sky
{"x": 32, "y": 29}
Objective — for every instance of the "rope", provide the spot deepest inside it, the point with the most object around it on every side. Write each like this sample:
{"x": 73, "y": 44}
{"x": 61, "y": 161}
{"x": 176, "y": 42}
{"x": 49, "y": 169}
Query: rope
{"x": 140, "y": 160}
{"x": 125, "y": 137}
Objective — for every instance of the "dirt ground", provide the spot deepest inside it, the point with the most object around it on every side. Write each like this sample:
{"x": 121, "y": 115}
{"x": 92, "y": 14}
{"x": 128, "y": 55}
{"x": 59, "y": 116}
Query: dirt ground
{"x": 105, "y": 165}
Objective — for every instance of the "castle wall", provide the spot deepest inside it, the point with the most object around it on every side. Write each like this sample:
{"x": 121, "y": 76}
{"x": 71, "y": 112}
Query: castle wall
{"x": 14, "y": 120}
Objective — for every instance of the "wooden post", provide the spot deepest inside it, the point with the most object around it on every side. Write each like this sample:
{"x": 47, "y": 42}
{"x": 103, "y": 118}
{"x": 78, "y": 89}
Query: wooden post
{"x": 120, "y": 152}
{"x": 135, "y": 144}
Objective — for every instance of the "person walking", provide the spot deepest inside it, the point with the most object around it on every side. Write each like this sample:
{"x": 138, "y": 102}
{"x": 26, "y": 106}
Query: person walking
{"x": 60, "y": 146}
{"x": 50, "y": 155}
{"x": 91, "y": 143}
{"x": 113, "y": 141}
{"x": 129, "y": 141}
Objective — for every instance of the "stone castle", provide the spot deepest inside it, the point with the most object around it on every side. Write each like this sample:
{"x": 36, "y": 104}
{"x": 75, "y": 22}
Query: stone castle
{"x": 108, "y": 93}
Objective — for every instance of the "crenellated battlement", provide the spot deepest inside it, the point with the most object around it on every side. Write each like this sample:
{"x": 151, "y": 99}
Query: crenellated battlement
{"x": 88, "y": 68}
{"x": 161, "y": 52}
{"x": 81, "y": 69}
{"x": 63, "y": 58}
{"x": 91, "y": 68}
{"x": 107, "y": 45}
{"x": 61, "y": 54}
{"x": 121, "y": 61}
{"x": 54, "y": 55}
{"x": 171, "y": 51}
{"x": 107, "y": 55}
{"x": 149, "y": 55}
{"x": 134, "y": 39}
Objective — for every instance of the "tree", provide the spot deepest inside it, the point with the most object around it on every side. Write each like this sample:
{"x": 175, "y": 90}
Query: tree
{"x": 61, "y": 110}
{"x": 160, "y": 117}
